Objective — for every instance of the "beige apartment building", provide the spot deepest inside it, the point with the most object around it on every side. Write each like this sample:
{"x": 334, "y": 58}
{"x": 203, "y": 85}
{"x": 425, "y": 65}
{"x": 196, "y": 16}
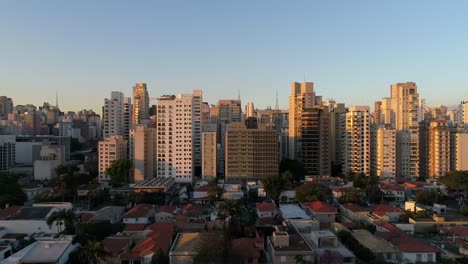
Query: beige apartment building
{"x": 357, "y": 146}
{"x": 251, "y": 151}
{"x": 109, "y": 149}
{"x": 439, "y": 148}
{"x": 461, "y": 151}
{"x": 209, "y": 150}
{"x": 143, "y": 152}
{"x": 302, "y": 97}
{"x": 140, "y": 103}
{"x": 383, "y": 151}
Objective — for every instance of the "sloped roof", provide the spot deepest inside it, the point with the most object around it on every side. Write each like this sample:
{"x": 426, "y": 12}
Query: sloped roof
{"x": 115, "y": 244}
{"x": 10, "y": 211}
{"x": 140, "y": 210}
{"x": 355, "y": 208}
{"x": 266, "y": 207}
{"x": 320, "y": 207}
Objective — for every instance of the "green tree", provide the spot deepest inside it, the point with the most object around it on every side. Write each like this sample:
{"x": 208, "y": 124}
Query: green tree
{"x": 212, "y": 249}
{"x": 10, "y": 191}
{"x": 92, "y": 253}
{"x": 118, "y": 172}
{"x": 294, "y": 167}
{"x": 99, "y": 230}
{"x": 309, "y": 192}
{"x": 65, "y": 169}
{"x": 355, "y": 196}
{"x": 361, "y": 252}
{"x": 457, "y": 180}
{"x": 235, "y": 211}
{"x": 464, "y": 210}
{"x": 427, "y": 197}
{"x": 63, "y": 217}
{"x": 274, "y": 185}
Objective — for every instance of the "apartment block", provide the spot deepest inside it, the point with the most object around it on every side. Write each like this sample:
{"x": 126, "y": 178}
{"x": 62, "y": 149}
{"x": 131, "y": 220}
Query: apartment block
{"x": 383, "y": 151}
{"x": 7, "y": 152}
{"x": 143, "y": 152}
{"x": 140, "y": 103}
{"x": 357, "y": 141}
{"x": 109, "y": 149}
{"x": 209, "y": 151}
{"x": 439, "y": 148}
{"x": 462, "y": 151}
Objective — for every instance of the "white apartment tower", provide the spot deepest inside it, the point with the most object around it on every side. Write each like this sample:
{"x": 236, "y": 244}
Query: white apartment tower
{"x": 178, "y": 135}
{"x": 302, "y": 97}
{"x": 109, "y": 149}
{"x": 250, "y": 110}
{"x": 405, "y": 107}
{"x": 143, "y": 152}
{"x": 357, "y": 140}
{"x": 140, "y": 103}
{"x": 116, "y": 120}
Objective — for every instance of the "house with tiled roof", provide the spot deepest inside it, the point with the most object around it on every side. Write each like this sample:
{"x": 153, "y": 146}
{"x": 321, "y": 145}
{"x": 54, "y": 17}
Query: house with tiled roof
{"x": 114, "y": 246}
{"x": 139, "y": 214}
{"x": 246, "y": 249}
{"x": 166, "y": 213}
{"x": 377, "y": 245}
{"x": 386, "y": 212}
{"x": 323, "y": 212}
{"x": 393, "y": 192}
{"x": 266, "y": 210}
{"x": 354, "y": 212}
{"x": 411, "y": 249}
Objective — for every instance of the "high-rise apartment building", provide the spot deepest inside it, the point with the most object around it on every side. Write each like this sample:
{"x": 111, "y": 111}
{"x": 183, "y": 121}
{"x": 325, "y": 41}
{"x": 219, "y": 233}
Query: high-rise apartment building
{"x": 338, "y": 135}
{"x": 302, "y": 97}
{"x": 439, "y": 148}
{"x": 178, "y": 135}
{"x": 7, "y": 152}
{"x": 378, "y": 112}
{"x": 116, "y": 115}
{"x": 406, "y": 109}
{"x": 143, "y": 145}
{"x": 316, "y": 147}
{"x": 383, "y": 151}
{"x": 461, "y": 152}
{"x": 251, "y": 151}
{"x": 109, "y": 149}
{"x": 250, "y": 110}
{"x": 209, "y": 152}
{"x": 205, "y": 110}
{"x": 140, "y": 103}
{"x": 357, "y": 141}
{"x": 6, "y": 107}
{"x": 197, "y": 122}
{"x": 229, "y": 111}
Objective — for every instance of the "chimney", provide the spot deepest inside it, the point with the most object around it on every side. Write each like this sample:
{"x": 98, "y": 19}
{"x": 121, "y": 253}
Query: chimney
{"x": 281, "y": 239}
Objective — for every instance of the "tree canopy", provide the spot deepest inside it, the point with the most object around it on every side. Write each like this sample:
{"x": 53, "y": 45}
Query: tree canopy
{"x": 429, "y": 197}
{"x": 274, "y": 185}
{"x": 355, "y": 196}
{"x": 310, "y": 192}
{"x": 457, "y": 180}
{"x": 118, "y": 172}
{"x": 10, "y": 191}
{"x": 295, "y": 167}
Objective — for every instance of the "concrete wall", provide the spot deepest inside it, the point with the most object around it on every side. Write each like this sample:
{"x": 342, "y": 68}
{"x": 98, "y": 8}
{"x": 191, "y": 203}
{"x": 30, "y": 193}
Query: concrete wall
{"x": 29, "y": 226}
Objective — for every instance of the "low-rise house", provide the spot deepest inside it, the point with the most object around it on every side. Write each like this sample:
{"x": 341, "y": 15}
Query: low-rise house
{"x": 28, "y": 220}
{"x": 232, "y": 192}
{"x": 386, "y": 212}
{"x": 292, "y": 211}
{"x": 354, "y": 212}
{"x": 5, "y": 252}
{"x": 158, "y": 237}
{"x": 377, "y": 245}
{"x": 287, "y": 246}
{"x": 112, "y": 214}
{"x": 392, "y": 192}
{"x": 247, "y": 250}
{"x": 166, "y": 213}
{"x": 456, "y": 232}
{"x": 140, "y": 214}
{"x": 203, "y": 194}
{"x": 328, "y": 249}
{"x": 54, "y": 251}
{"x": 412, "y": 250}
{"x": 442, "y": 220}
{"x": 266, "y": 210}
{"x": 114, "y": 246}
{"x": 341, "y": 191}
{"x": 323, "y": 212}
{"x": 288, "y": 196}
{"x": 187, "y": 245}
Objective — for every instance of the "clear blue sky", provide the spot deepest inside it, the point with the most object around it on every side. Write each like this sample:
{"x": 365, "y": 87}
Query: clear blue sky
{"x": 351, "y": 50}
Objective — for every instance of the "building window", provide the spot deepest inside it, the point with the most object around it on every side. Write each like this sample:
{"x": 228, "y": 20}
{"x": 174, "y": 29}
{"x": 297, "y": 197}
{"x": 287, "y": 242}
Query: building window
{"x": 283, "y": 259}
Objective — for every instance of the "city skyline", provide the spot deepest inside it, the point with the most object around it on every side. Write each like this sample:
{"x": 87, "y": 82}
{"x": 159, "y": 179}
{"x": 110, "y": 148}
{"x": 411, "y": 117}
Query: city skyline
{"x": 84, "y": 51}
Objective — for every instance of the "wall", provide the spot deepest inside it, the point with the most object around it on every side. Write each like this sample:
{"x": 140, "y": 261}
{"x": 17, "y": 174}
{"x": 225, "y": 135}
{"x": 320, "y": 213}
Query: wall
{"x": 28, "y": 226}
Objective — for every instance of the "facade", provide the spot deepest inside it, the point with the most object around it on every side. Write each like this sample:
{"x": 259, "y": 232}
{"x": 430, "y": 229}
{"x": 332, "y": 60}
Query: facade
{"x": 378, "y": 113}
{"x": 251, "y": 151}
{"x": 250, "y": 110}
{"x": 285, "y": 246}
{"x": 197, "y": 101}
{"x": 405, "y": 107}
{"x": 338, "y": 135}
{"x": 383, "y": 152}
{"x": 50, "y": 157}
{"x": 116, "y": 115}
{"x": 6, "y": 107}
{"x": 143, "y": 152}
{"x": 110, "y": 149}
{"x": 315, "y": 147}
{"x": 357, "y": 146}
{"x": 178, "y": 135}
{"x": 461, "y": 151}
{"x": 439, "y": 149}
{"x": 7, "y": 152}
{"x": 302, "y": 97}
{"x": 209, "y": 151}
{"x": 140, "y": 103}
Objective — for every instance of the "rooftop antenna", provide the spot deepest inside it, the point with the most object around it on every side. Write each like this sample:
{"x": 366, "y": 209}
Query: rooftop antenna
{"x": 56, "y": 99}
{"x": 276, "y": 105}
{"x": 238, "y": 94}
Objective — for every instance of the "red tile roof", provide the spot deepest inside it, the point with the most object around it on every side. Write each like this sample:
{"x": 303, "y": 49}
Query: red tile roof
{"x": 159, "y": 238}
{"x": 134, "y": 227}
{"x": 320, "y": 207}
{"x": 193, "y": 210}
{"x": 355, "y": 208}
{"x": 141, "y": 210}
{"x": 167, "y": 209}
{"x": 245, "y": 248}
{"x": 403, "y": 241}
{"x": 385, "y": 208}
{"x": 206, "y": 188}
{"x": 266, "y": 207}
{"x": 8, "y": 212}
{"x": 459, "y": 231}
{"x": 85, "y": 217}
{"x": 116, "y": 244}
{"x": 391, "y": 187}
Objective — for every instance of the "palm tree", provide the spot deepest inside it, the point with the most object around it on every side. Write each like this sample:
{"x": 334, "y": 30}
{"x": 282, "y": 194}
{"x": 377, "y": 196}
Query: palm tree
{"x": 92, "y": 252}
{"x": 232, "y": 210}
{"x": 63, "y": 217}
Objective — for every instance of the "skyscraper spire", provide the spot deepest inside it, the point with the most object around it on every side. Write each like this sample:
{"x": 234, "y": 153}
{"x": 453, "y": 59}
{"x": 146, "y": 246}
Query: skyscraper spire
{"x": 238, "y": 94}
{"x": 56, "y": 99}
{"x": 277, "y": 104}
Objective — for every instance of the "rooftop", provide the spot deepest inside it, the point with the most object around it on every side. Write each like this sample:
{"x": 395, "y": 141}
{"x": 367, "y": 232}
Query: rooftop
{"x": 391, "y": 187}
{"x": 116, "y": 244}
{"x": 167, "y": 209}
{"x": 385, "y": 208}
{"x": 355, "y": 208}
{"x": 40, "y": 252}
{"x": 188, "y": 243}
{"x": 266, "y": 207}
{"x": 320, "y": 207}
{"x": 292, "y": 211}
{"x": 31, "y": 213}
{"x": 134, "y": 227}
{"x": 140, "y": 210}
{"x": 10, "y": 211}
{"x": 375, "y": 244}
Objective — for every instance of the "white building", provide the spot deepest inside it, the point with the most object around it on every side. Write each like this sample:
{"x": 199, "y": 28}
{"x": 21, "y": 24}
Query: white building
{"x": 143, "y": 152}
{"x": 50, "y": 157}
{"x": 116, "y": 116}
{"x": 178, "y": 135}
{"x": 110, "y": 149}
{"x": 383, "y": 152}
{"x": 50, "y": 251}
{"x": 357, "y": 140}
